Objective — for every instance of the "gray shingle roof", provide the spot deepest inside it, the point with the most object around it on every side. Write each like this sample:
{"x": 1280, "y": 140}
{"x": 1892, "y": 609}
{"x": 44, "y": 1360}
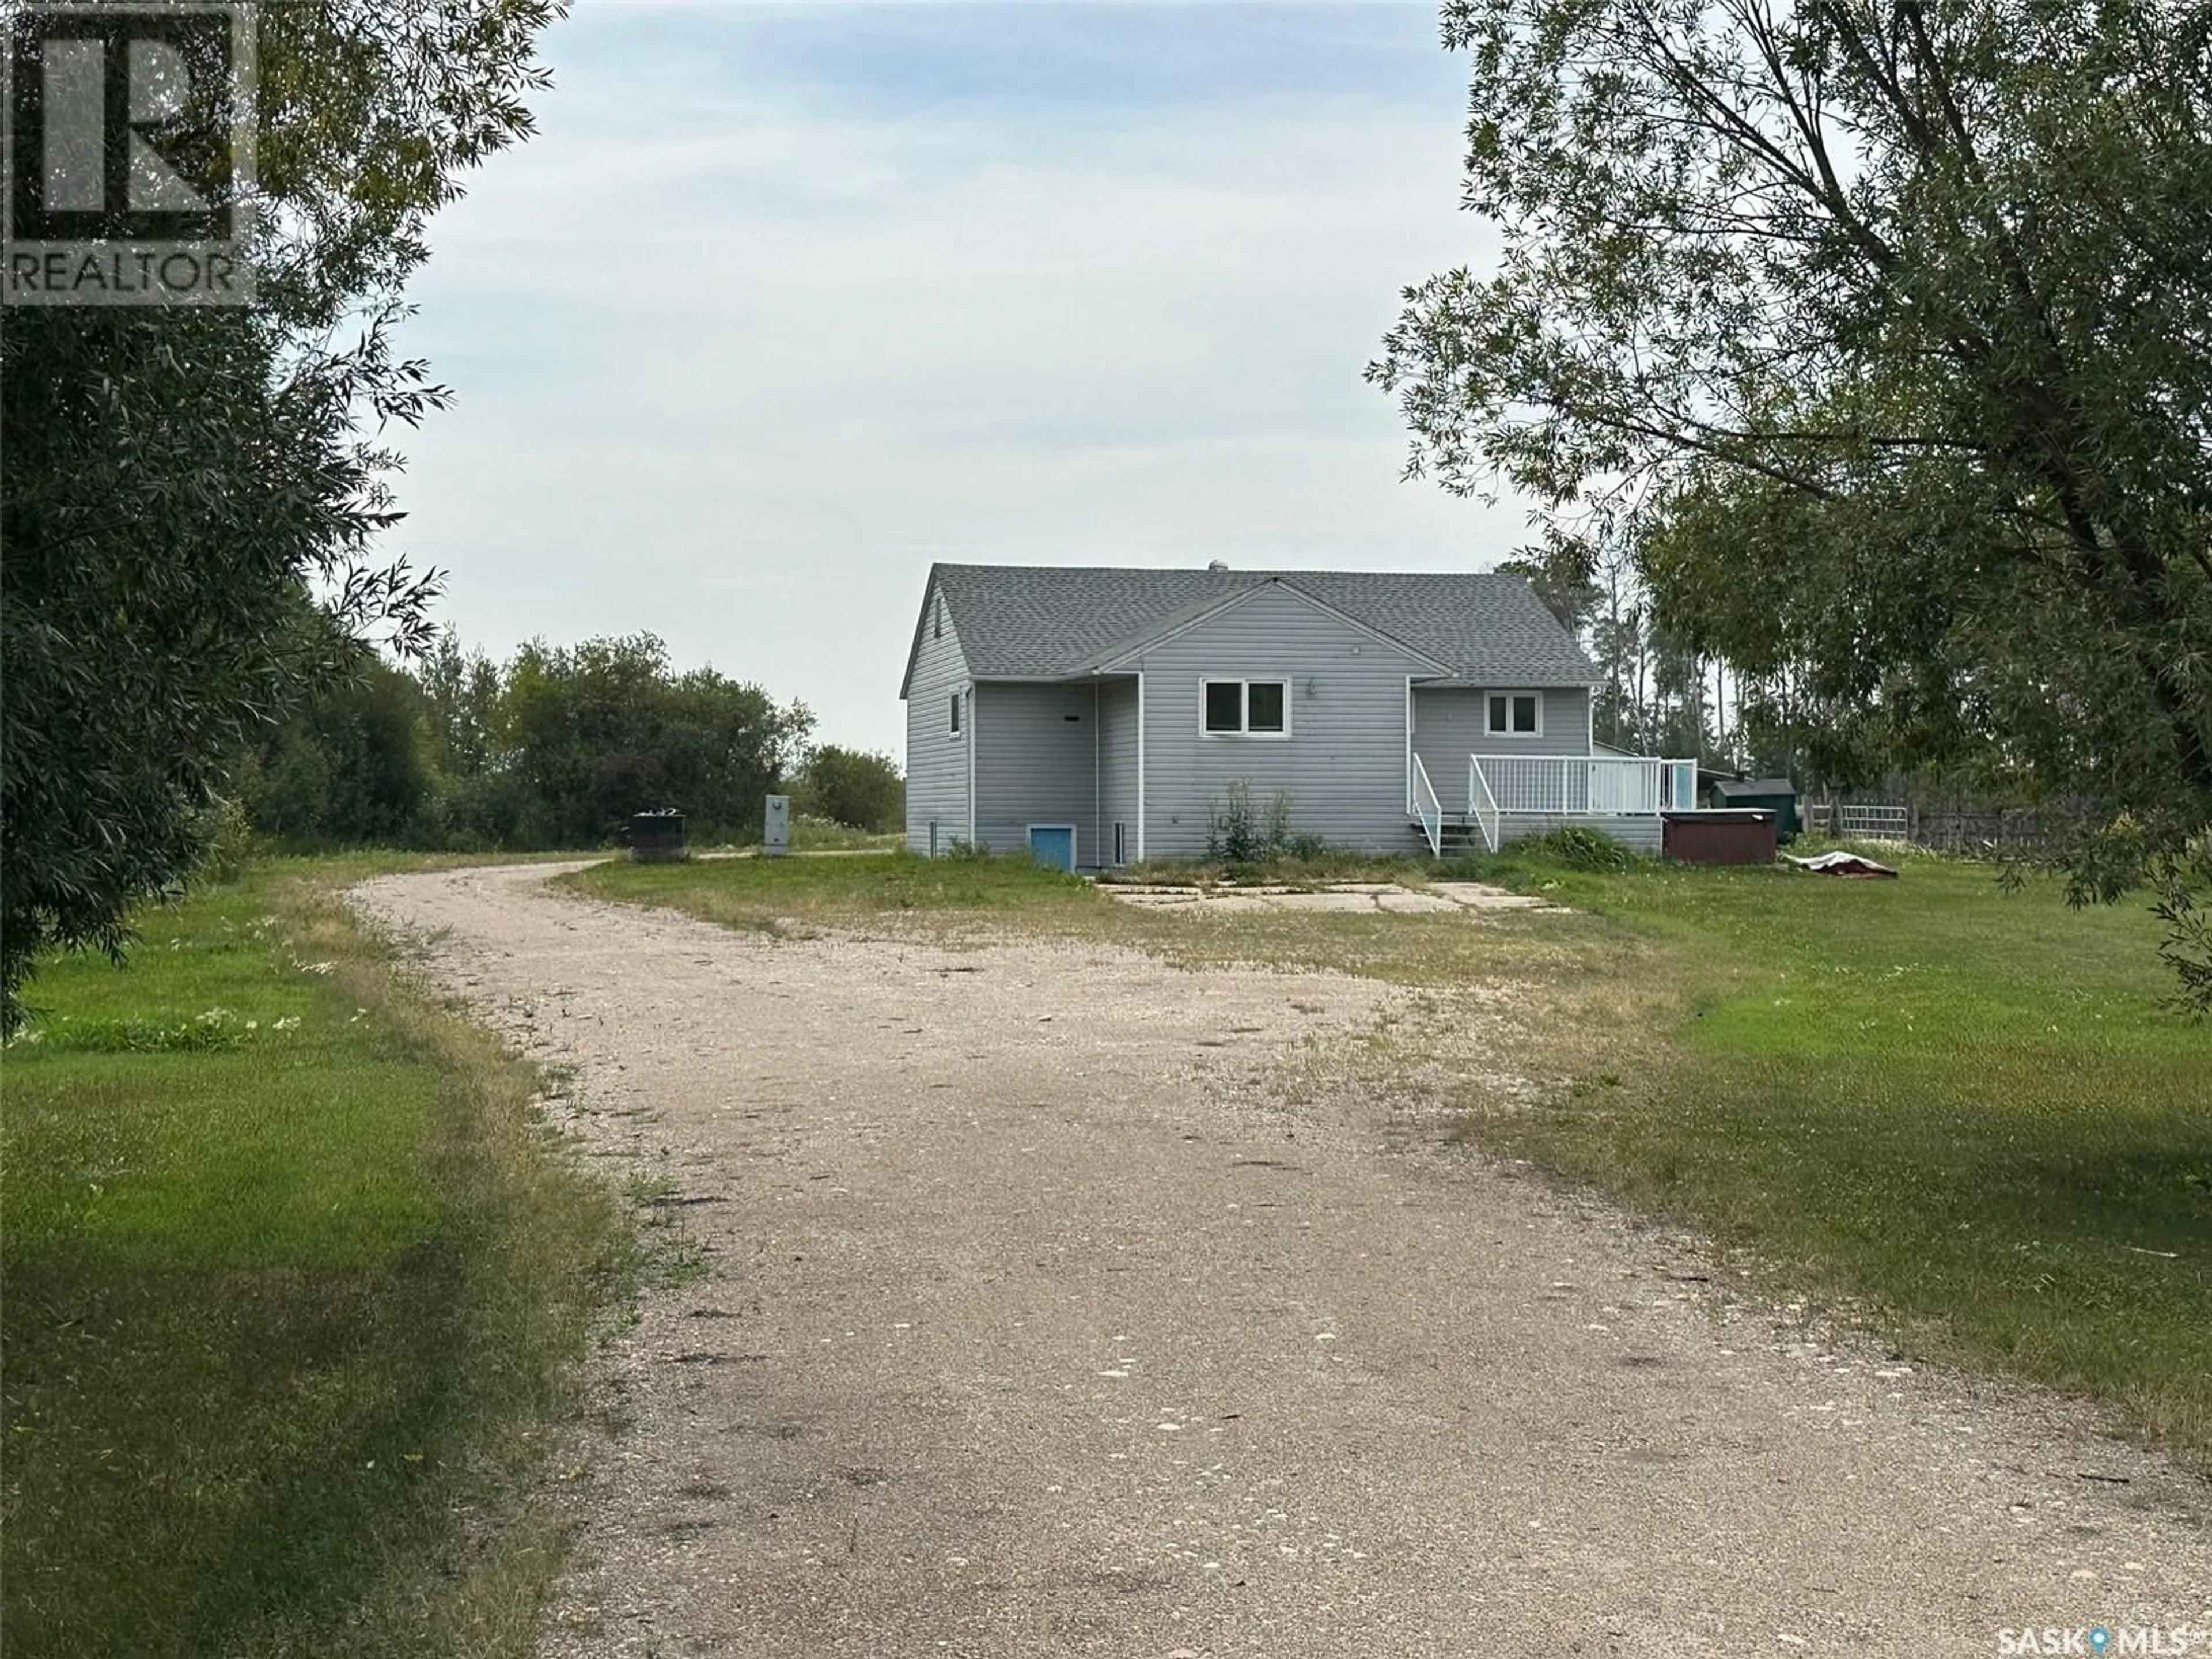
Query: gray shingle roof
{"x": 1039, "y": 620}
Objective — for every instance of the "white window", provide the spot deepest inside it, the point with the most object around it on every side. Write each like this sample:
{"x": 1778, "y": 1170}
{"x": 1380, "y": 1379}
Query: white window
{"x": 954, "y": 727}
{"x": 1249, "y": 709}
{"x": 937, "y": 615}
{"x": 1515, "y": 714}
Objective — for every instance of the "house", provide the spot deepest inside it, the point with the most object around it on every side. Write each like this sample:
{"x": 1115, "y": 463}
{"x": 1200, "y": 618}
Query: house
{"x": 1099, "y": 717}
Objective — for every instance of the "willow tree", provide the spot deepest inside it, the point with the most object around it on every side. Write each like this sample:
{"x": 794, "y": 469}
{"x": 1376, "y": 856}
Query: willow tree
{"x": 1887, "y": 325}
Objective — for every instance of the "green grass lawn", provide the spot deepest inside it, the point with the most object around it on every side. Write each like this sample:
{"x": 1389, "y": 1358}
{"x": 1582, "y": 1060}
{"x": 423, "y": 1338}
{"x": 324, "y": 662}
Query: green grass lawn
{"x": 1956, "y": 1113}
{"x": 1965, "y": 1110}
{"x": 293, "y": 1289}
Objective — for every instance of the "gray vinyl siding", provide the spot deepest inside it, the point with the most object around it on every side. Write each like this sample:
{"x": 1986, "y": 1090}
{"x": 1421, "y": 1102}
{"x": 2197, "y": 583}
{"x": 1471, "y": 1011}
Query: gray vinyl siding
{"x": 936, "y": 761}
{"x": 1448, "y": 728}
{"x": 1118, "y": 770}
{"x": 1642, "y": 834}
{"x": 1033, "y": 764}
{"x": 1343, "y": 763}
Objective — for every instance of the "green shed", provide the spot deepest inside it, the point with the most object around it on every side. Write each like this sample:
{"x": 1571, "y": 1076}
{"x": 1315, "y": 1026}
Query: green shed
{"x": 1775, "y": 795}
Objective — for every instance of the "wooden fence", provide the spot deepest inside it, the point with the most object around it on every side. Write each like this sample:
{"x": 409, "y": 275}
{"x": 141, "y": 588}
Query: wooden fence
{"x": 1947, "y": 828}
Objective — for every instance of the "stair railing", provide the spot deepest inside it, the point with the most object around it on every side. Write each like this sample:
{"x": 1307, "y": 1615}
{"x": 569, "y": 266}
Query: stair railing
{"x": 1428, "y": 808}
{"x": 1482, "y": 805}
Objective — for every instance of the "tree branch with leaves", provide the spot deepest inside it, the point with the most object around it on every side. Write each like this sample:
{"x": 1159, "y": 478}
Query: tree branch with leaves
{"x": 1884, "y": 330}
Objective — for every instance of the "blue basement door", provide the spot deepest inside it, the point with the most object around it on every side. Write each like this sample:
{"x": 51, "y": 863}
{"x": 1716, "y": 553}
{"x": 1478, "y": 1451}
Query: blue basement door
{"x": 1053, "y": 844}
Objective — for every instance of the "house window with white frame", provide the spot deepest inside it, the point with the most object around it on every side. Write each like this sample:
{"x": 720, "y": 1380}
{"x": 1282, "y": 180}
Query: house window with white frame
{"x": 1515, "y": 714}
{"x": 954, "y": 727}
{"x": 1246, "y": 708}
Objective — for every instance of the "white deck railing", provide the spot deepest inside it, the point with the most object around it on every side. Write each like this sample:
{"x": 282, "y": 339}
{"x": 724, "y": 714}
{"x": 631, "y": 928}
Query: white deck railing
{"x": 1579, "y": 786}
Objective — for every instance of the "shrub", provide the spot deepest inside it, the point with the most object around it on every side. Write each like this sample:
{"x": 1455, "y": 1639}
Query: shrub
{"x": 227, "y": 842}
{"x": 843, "y": 785}
{"x": 1578, "y": 849}
{"x": 1239, "y": 830}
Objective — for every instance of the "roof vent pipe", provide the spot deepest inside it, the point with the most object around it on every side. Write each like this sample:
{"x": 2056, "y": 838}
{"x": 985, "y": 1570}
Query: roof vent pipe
{"x": 1217, "y": 565}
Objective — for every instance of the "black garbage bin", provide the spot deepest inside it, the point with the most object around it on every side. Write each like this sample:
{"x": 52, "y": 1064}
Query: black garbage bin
{"x": 656, "y": 837}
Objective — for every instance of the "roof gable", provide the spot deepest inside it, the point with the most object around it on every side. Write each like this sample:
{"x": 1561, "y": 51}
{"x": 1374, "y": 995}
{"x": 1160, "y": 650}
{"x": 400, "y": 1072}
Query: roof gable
{"x": 1197, "y": 615}
{"x": 1018, "y": 622}
{"x": 931, "y": 595}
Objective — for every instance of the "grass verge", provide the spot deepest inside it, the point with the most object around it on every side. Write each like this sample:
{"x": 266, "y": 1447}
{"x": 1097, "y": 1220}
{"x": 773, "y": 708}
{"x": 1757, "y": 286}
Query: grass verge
{"x": 775, "y": 895}
{"x": 813, "y": 835}
{"x": 1956, "y": 1113}
{"x": 295, "y": 1284}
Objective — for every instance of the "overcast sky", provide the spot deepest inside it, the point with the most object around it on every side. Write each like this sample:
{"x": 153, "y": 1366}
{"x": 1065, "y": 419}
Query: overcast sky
{"x": 786, "y": 302}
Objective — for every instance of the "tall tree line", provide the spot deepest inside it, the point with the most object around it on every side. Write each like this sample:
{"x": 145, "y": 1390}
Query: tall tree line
{"x": 554, "y": 747}
{"x": 1659, "y": 692}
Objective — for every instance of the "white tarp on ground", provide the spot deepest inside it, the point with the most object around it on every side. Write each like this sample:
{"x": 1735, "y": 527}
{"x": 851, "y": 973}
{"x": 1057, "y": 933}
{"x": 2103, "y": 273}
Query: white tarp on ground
{"x": 1839, "y": 863}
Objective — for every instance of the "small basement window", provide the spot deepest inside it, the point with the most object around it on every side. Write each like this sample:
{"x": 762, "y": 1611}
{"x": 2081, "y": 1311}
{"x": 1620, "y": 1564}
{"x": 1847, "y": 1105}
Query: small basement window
{"x": 1259, "y": 708}
{"x": 1516, "y": 714}
{"x": 954, "y": 725}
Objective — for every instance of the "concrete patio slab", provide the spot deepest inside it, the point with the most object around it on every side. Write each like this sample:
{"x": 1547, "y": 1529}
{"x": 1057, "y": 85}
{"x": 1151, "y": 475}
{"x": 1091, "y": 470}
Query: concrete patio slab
{"x": 1343, "y": 897}
{"x": 1480, "y": 895}
{"x": 1403, "y": 903}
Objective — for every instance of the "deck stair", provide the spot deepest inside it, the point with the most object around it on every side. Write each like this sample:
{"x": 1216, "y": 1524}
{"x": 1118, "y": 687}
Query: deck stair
{"x": 1602, "y": 791}
{"x": 1456, "y": 835}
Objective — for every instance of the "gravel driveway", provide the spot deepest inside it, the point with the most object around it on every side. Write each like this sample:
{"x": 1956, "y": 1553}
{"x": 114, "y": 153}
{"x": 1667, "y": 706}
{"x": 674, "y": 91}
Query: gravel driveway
{"x": 1055, "y": 1301}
